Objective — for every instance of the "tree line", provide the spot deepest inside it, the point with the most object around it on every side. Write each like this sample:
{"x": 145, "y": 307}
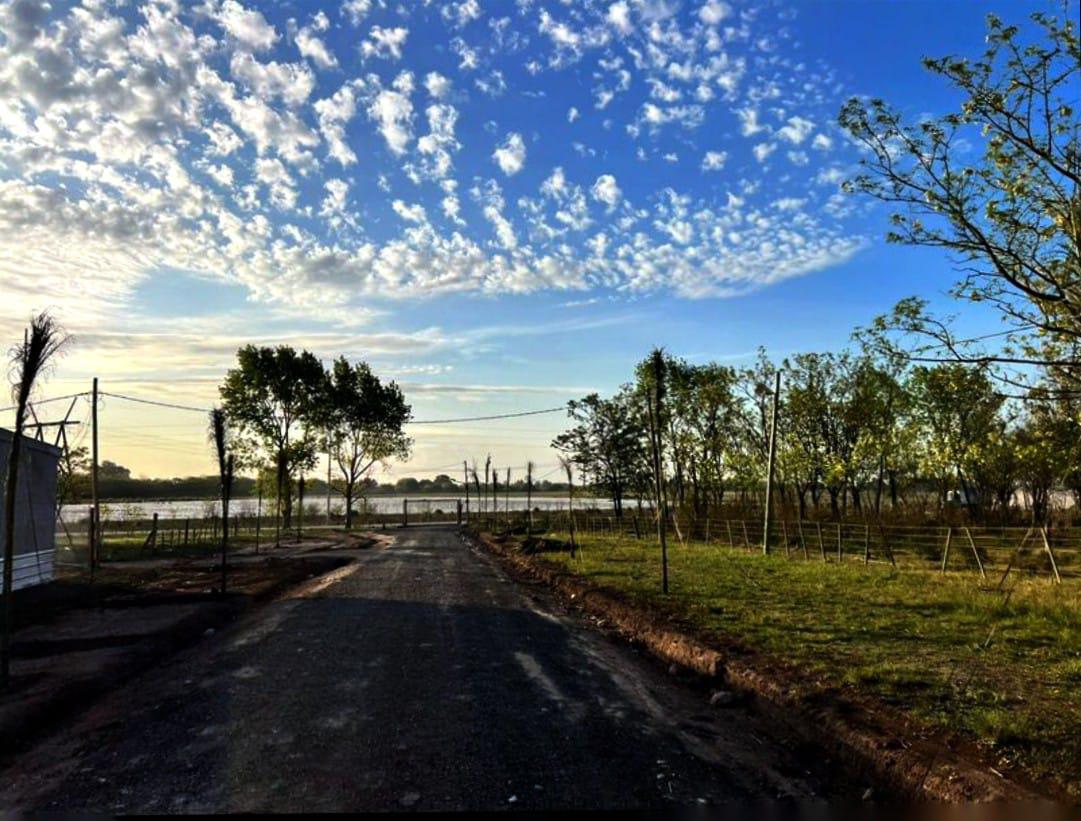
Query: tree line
{"x": 857, "y": 434}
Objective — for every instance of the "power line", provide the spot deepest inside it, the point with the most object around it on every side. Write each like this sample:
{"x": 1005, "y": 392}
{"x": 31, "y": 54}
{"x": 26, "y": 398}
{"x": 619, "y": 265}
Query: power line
{"x": 155, "y": 402}
{"x": 486, "y": 418}
{"x": 176, "y": 406}
{"x": 47, "y": 401}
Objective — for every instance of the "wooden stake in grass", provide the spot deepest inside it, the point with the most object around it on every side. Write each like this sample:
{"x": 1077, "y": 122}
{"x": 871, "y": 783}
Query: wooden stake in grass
{"x": 529, "y": 499}
{"x": 771, "y": 464}
{"x": 569, "y": 470}
{"x": 946, "y": 549}
{"x": 655, "y": 407}
{"x": 41, "y": 343}
{"x": 1050, "y": 555}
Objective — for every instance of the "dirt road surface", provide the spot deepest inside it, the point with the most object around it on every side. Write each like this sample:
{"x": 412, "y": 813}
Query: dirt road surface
{"x": 420, "y": 678}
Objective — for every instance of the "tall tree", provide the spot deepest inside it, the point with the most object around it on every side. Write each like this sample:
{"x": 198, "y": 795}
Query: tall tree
{"x": 276, "y": 399}
{"x": 607, "y": 443}
{"x": 365, "y": 422}
{"x": 1012, "y": 216}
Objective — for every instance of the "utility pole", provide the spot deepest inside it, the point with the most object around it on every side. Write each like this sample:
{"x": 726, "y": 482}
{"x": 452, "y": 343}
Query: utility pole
{"x": 465, "y": 476}
{"x": 772, "y": 463}
{"x": 95, "y": 528}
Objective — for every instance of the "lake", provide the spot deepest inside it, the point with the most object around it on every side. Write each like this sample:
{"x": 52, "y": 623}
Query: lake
{"x": 389, "y": 503}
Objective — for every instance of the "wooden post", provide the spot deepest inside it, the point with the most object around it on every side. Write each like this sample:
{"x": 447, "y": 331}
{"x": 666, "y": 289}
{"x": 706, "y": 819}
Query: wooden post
{"x": 1050, "y": 555}
{"x": 771, "y": 464}
{"x": 840, "y": 554}
{"x": 405, "y": 513}
{"x": 637, "y": 530}
{"x": 802, "y": 538}
{"x": 258, "y": 513}
{"x": 459, "y": 517}
{"x": 946, "y": 549}
{"x": 153, "y": 537}
{"x": 784, "y": 535}
{"x": 866, "y": 544}
{"x": 186, "y": 531}
{"x": 90, "y": 539}
{"x": 821, "y": 544}
{"x": 728, "y": 527}
{"x": 746, "y": 538}
{"x": 96, "y": 520}
{"x": 976, "y": 553}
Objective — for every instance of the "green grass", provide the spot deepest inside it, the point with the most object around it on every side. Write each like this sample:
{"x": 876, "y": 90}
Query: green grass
{"x": 1006, "y": 672}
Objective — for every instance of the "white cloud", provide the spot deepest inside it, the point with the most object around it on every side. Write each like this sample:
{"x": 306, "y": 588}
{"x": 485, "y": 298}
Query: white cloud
{"x": 393, "y": 112}
{"x": 797, "y": 130}
{"x": 437, "y": 85}
{"x": 334, "y": 112}
{"x": 714, "y": 160}
{"x": 572, "y": 114}
{"x": 713, "y": 12}
{"x": 384, "y": 42}
{"x": 763, "y": 150}
{"x": 356, "y": 10}
{"x": 619, "y": 17}
{"x": 606, "y": 190}
{"x": 334, "y": 201}
{"x": 410, "y": 213}
{"x": 510, "y": 155}
{"x": 248, "y": 26}
{"x": 292, "y": 82}
{"x": 314, "y": 48}
{"x": 822, "y": 142}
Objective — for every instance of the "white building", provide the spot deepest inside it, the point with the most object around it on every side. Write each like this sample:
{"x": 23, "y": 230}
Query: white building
{"x": 35, "y": 509}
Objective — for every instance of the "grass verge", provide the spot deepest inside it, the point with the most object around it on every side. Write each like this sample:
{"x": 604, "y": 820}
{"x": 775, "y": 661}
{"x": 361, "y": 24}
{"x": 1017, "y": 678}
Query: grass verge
{"x": 1002, "y": 669}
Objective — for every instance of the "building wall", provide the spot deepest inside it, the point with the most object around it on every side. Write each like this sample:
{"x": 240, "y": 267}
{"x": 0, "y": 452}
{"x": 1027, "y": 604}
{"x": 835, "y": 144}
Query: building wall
{"x": 35, "y": 510}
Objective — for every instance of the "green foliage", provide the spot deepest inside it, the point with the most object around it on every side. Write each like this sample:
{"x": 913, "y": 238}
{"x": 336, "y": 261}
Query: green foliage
{"x": 275, "y": 400}
{"x": 363, "y": 419}
{"x": 1011, "y": 215}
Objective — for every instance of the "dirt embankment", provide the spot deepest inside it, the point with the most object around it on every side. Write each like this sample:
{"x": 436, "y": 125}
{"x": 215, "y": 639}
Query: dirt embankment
{"x": 881, "y": 743}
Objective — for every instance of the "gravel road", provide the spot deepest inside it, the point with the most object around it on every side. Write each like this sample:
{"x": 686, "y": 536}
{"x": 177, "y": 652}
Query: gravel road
{"x": 420, "y": 677}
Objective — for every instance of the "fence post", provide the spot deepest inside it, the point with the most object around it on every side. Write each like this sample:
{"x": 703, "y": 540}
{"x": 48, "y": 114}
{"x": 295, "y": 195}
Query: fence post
{"x": 90, "y": 540}
{"x": 459, "y": 513}
{"x": 802, "y": 538}
{"x": 840, "y": 552}
{"x": 405, "y": 513}
{"x": 976, "y": 553}
{"x": 821, "y": 544}
{"x": 866, "y": 544}
{"x": 1050, "y": 555}
{"x": 784, "y": 535}
{"x": 772, "y": 460}
{"x": 946, "y": 549}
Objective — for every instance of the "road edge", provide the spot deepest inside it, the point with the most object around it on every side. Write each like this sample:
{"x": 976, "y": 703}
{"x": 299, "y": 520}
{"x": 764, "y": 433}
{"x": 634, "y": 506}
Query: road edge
{"x": 888, "y": 749}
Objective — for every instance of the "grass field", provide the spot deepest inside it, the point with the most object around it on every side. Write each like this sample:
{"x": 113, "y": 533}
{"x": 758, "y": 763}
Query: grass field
{"x": 1003, "y": 668}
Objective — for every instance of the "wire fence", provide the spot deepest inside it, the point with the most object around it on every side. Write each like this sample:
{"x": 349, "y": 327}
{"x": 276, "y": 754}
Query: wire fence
{"x": 989, "y": 552}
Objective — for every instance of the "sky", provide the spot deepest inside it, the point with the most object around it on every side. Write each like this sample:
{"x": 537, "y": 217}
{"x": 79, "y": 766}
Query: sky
{"x": 499, "y": 205}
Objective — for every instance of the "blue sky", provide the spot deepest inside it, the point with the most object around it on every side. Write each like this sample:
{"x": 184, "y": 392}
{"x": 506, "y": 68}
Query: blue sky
{"x": 502, "y": 205}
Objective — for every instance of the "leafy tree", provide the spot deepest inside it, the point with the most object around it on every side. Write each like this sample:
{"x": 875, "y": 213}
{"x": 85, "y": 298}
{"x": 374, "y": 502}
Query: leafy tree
{"x": 1012, "y": 217}
{"x": 365, "y": 422}
{"x": 607, "y": 443}
{"x": 276, "y": 400}
{"x": 957, "y": 409}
